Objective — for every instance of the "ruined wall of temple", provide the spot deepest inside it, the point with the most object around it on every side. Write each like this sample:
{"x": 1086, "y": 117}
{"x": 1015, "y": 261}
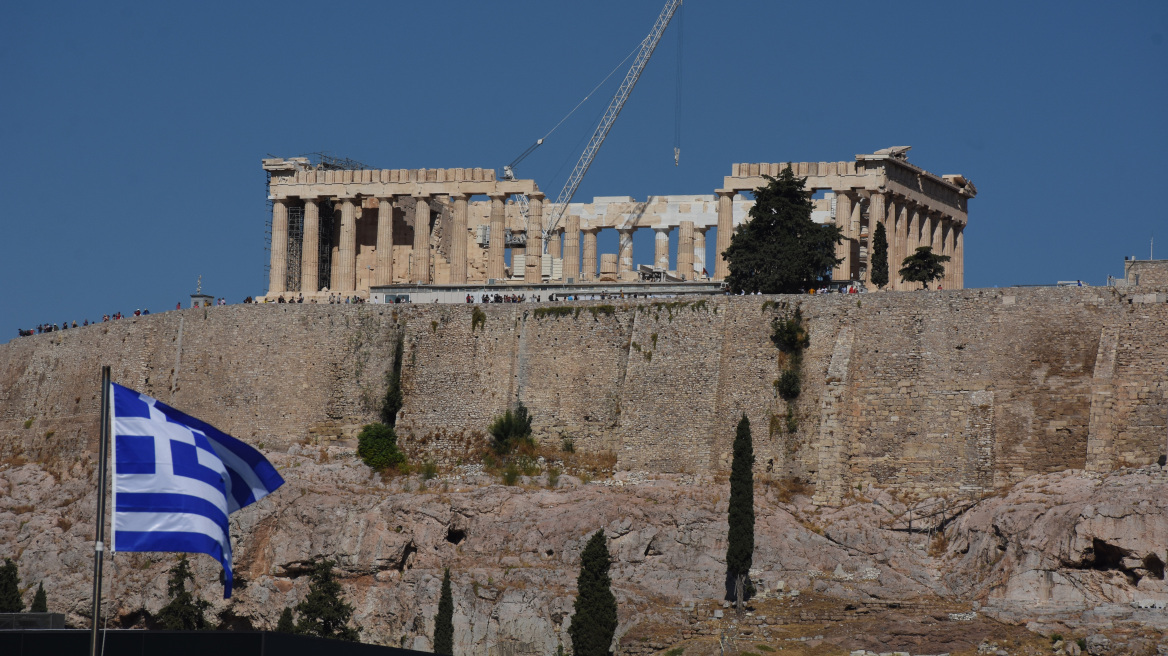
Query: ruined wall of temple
{"x": 966, "y": 390}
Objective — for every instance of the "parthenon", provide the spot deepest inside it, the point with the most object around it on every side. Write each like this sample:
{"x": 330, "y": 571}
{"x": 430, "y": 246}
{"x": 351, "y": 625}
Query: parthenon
{"x": 346, "y": 231}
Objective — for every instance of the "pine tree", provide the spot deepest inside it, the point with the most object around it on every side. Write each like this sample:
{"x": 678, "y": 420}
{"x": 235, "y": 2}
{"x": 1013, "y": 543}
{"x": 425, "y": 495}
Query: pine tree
{"x": 740, "y": 538}
{"x": 923, "y": 266}
{"x": 879, "y": 262}
{"x": 323, "y": 613}
{"x": 40, "y": 603}
{"x": 444, "y": 622}
{"x": 594, "y": 620}
{"x": 285, "y": 625}
{"x": 781, "y": 250}
{"x": 10, "y": 601}
{"x": 184, "y": 612}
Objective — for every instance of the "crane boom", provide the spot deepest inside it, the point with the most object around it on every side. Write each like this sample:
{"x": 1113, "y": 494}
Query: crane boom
{"x": 618, "y": 101}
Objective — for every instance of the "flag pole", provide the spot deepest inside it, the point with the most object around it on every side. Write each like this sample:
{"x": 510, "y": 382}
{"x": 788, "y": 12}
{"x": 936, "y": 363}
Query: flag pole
{"x": 99, "y": 540}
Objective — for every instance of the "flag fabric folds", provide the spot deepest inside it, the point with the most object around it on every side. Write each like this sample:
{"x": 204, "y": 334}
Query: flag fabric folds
{"x": 176, "y": 480}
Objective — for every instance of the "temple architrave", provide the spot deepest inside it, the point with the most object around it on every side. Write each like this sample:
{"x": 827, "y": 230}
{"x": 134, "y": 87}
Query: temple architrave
{"x": 344, "y": 231}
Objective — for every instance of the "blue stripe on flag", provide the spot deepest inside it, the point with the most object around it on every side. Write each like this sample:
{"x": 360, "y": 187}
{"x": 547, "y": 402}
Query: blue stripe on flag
{"x": 176, "y": 541}
{"x": 168, "y": 502}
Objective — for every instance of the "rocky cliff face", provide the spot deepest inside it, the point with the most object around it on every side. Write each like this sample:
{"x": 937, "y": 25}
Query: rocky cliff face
{"x": 1065, "y": 551}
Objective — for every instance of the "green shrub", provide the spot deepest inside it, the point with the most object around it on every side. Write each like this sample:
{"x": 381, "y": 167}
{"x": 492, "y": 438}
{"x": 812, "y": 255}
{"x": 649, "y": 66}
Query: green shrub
{"x": 789, "y": 384}
{"x": 553, "y": 477}
{"x": 377, "y": 447}
{"x": 478, "y": 319}
{"x": 28, "y": 423}
{"x": 606, "y": 310}
{"x": 510, "y": 474}
{"x": 676, "y": 651}
{"x": 789, "y": 334}
{"x": 567, "y": 445}
{"x": 511, "y": 430}
{"x": 429, "y": 470}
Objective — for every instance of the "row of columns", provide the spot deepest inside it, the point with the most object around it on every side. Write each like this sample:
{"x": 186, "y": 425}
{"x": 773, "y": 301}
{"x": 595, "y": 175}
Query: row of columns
{"x": 907, "y": 225}
{"x": 690, "y": 259}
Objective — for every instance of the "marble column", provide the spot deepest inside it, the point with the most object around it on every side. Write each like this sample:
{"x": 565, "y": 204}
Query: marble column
{"x": 458, "y": 239}
{"x": 554, "y": 241}
{"x": 699, "y": 251}
{"x": 936, "y": 232}
{"x": 876, "y": 217}
{"x": 661, "y": 248}
{"x": 533, "y": 263}
{"x": 310, "y": 250}
{"x": 854, "y": 223}
{"x": 725, "y": 232}
{"x": 947, "y": 249}
{"x": 590, "y": 261}
{"x": 496, "y": 267}
{"x": 347, "y": 248}
{"x": 624, "y": 258}
{"x": 959, "y": 256}
{"x": 420, "y": 264}
{"x": 572, "y": 250}
{"x": 685, "y": 251}
{"x": 913, "y": 237}
{"x": 383, "y": 268}
{"x": 898, "y": 212}
{"x": 278, "y": 271}
{"x": 843, "y": 250}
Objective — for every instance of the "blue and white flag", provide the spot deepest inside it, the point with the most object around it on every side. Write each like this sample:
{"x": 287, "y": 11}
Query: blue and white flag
{"x": 176, "y": 479}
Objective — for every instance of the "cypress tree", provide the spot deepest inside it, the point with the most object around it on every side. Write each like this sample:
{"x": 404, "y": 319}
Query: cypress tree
{"x": 740, "y": 537}
{"x": 184, "y": 612}
{"x": 323, "y": 613}
{"x": 880, "y": 257}
{"x": 40, "y": 603}
{"x": 594, "y": 620}
{"x": 285, "y": 624}
{"x": 10, "y": 601}
{"x": 444, "y": 622}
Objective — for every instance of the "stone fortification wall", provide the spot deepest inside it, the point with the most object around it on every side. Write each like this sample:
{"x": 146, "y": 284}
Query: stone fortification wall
{"x": 965, "y": 390}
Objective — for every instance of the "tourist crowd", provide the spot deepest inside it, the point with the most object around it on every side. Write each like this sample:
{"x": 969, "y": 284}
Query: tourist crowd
{"x": 52, "y": 327}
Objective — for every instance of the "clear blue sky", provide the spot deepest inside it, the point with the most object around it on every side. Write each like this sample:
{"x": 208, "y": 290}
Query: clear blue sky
{"x": 132, "y": 133}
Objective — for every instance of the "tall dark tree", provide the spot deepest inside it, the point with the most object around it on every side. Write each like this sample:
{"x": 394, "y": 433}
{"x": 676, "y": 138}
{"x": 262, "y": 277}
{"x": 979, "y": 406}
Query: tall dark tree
{"x": 923, "y": 266}
{"x": 444, "y": 622}
{"x": 393, "y": 393}
{"x": 740, "y": 538}
{"x": 781, "y": 250}
{"x": 879, "y": 262}
{"x": 286, "y": 625}
{"x": 185, "y": 611}
{"x": 40, "y": 603}
{"x": 323, "y": 613}
{"x": 594, "y": 620}
{"x": 10, "y": 601}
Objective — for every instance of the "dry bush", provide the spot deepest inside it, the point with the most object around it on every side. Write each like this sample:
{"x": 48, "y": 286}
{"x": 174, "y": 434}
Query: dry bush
{"x": 939, "y": 545}
{"x": 64, "y": 524}
{"x": 22, "y": 509}
{"x": 789, "y": 487}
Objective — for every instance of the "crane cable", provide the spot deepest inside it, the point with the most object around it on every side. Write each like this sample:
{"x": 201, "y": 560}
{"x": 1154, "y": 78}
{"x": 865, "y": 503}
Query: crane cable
{"x": 539, "y": 142}
{"x": 677, "y": 100}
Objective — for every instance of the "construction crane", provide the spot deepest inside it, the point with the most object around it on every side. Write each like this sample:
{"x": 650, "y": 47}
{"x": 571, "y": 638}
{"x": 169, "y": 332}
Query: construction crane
{"x": 648, "y": 44}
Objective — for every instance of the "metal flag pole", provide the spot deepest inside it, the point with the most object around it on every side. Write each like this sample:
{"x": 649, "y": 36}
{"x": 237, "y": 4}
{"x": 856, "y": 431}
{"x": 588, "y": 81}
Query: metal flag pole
{"x": 99, "y": 540}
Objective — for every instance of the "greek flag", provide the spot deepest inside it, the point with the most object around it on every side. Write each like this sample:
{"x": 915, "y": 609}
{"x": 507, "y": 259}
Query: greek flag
{"x": 176, "y": 479}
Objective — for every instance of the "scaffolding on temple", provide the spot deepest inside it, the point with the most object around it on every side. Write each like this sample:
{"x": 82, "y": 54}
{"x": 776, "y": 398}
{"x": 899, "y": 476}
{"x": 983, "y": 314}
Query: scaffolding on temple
{"x": 321, "y": 161}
